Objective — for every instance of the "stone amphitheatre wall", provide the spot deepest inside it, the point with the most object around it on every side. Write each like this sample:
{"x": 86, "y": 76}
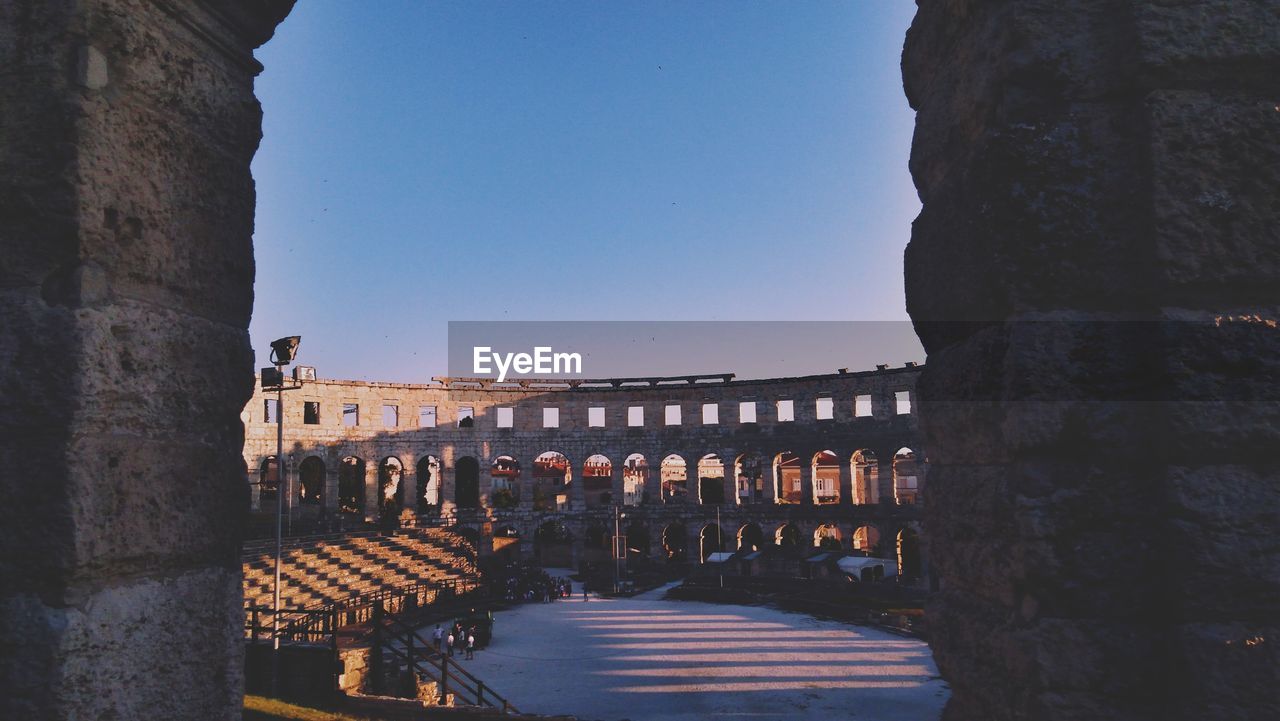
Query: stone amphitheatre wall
{"x": 126, "y": 283}
{"x": 880, "y": 433}
{"x": 1094, "y": 275}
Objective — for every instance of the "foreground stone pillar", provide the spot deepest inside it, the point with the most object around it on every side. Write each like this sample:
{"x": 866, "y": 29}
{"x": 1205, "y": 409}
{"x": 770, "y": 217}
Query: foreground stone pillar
{"x": 126, "y": 214}
{"x": 1094, "y": 277}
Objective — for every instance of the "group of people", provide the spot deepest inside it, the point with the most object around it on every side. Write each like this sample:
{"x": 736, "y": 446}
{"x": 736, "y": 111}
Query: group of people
{"x": 529, "y": 584}
{"x": 457, "y": 638}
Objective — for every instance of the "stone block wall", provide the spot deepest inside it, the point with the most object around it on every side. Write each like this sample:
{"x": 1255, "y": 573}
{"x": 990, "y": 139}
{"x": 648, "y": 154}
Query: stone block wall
{"x": 1094, "y": 276}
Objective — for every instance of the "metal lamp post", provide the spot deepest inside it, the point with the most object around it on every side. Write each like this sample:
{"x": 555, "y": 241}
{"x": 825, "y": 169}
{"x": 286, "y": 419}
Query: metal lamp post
{"x": 282, "y": 354}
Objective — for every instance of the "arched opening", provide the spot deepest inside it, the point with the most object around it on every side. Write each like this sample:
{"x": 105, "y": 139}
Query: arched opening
{"x": 908, "y": 554}
{"x": 311, "y": 481}
{"x": 390, "y": 488}
{"x": 787, "y": 536}
{"x": 786, "y": 477}
{"x": 750, "y": 537}
{"x": 351, "y": 485}
{"x": 506, "y": 544}
{"x": 674, "y": 543}
{"x": 466, "y": 483}
{"x": 554, "y": 544}
{"x": 635, "y": 473}
{"x": 828, "y": 538}
{"x": 866, "y": 478}
{"x": 711, "y": 540}
{"x": 826, "y": 477}
{"x": 429, "y": 485}
{"x": 674, "y": 479}
{"x": 552, "y": 477}
{"x": 597, "y": 481}
{"x": 748, "y": 470}
{"x": 505, "y": 477}
{"x": 595, "y": 545}
{"x": 906, "y": 478}
{"x": 711, "y": 480}
{"x": 867, "y": 540}
{"x": 268, "y": 482}
{"x": 637, "y": 541}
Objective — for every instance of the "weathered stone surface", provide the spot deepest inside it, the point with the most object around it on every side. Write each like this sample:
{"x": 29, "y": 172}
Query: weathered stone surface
{"x": 126, "y": 213}
{"x": 1094, "y": 275}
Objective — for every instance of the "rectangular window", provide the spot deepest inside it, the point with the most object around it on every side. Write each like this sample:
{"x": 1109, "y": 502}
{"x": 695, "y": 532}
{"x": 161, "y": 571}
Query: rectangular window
{"x": 506, "y": 417}
{"x": 862, "y": 406}
{"x": 826, "y": 409}
{"x": 311, "y": 413}
{"x": 350, "y": 415}
{"x": 466, "y": 416}
{"x": 673, "y": 415}
{"x": 426, "y": 416}
{"x": 747, "y": 412}
{"x": 903, "y": 401}
{"x": 710, "y": 414}
{"x": 786, "y": 411}
{"x": 635, "y": 416}
{"x": 595, "y": 417}
{"x": 550, "y": 417}
{"x": 390, "y": 415}
{"x": 270, "y": 411}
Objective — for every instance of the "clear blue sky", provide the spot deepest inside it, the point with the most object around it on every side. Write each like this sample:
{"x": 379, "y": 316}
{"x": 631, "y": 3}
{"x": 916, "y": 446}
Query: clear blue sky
{"x": 433, "y": 161}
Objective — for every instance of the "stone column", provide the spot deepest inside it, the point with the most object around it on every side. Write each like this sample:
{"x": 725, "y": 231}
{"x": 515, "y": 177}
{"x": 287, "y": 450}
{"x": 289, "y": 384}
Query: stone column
{"x": 128, "y": 128}
{"x": 372, "y": 493}
{"x": 806, "y": 481}
{"x": 845, "y": 487}
{"x": 1094, "y": 275}
{"x": 884, "y": 479}
{"x": 332, "y": 466}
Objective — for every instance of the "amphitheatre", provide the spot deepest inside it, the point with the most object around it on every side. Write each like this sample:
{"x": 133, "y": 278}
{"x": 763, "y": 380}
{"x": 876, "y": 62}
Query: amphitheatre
{"x": 1081, "y": 479}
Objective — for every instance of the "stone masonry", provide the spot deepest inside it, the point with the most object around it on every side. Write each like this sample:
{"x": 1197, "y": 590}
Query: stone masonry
{"x": 126, "y": 215}
{"x": 1094, "y": 275}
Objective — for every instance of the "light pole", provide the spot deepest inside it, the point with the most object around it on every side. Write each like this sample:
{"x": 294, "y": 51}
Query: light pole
{"x": 282, "y": 354}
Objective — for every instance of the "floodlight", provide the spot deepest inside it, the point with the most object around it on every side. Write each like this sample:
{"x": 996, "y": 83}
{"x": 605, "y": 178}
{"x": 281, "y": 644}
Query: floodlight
{"x": 283, "y": 350}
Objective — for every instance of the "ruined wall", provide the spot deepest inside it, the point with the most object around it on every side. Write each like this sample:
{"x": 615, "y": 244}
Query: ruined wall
{"x": 125, "y": 291}
{"x": 1094, "y": 277}
{"x": 883, "y": 433}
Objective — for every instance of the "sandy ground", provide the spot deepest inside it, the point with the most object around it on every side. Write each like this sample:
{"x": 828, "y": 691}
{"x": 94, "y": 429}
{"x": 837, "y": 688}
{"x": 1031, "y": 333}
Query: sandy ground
{"x": 646, "y": 658}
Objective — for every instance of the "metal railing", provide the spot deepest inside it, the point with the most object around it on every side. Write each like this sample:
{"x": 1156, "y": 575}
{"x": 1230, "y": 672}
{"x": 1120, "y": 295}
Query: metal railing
{"x": 402, "y": 642}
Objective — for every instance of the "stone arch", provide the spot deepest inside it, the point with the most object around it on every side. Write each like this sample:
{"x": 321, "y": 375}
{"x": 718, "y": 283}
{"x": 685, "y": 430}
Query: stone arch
{"x": 828, "y": 537}
{"x": 504, "y": 479}
{"x": 865, "y": 469}
{"x": 553, "y": 543}
{"x": 269, "y": 480}
{"x": 710, "y": 540}
{"x": 351, "y": 473}
{"x": 552, "y": 479}
{"x": 638, "y": 542}
{"x": 867, "y": 539}
{"x": 787, "y": 536}
{"x": 786, "y": 477}
{"x": 466, "y": 483}
{"x": 909, "y": 561}
{"x": 675, "y": 478}
{"x": 311, "y": 480}
{"x": 675, "y": 542}
{"x": 597, "y": 481}
{"x": 825, "y": 467}
{"x": 635, "y": 477}
{"x": 750, "y": 537}
{"x": 710, "y": 480}
{"x": 390, "y": 486}
{"x": 429, "y": 485}
{"x": 748, "y": 473}
{"x": 906, "y": 477}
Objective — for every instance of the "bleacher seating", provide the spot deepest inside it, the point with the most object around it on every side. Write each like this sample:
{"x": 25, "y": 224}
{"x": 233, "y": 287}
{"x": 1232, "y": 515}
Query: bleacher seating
{"x": 322, "y": 570}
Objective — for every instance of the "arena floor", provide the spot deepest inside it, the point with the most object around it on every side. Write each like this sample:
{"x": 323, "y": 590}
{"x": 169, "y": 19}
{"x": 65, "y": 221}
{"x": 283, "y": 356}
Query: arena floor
{"x": 647, "y": 658}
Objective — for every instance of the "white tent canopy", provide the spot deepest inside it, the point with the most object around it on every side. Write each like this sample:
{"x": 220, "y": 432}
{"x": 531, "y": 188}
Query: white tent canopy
{"x": 854, "y": 566}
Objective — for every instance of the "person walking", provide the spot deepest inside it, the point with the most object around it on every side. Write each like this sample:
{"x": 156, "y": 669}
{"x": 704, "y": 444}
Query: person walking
{"x": 438, "y": 635}
{"x": 451, "y": 645}
{"x": 584, "y": 592}
{"x": 471, "y": 646}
